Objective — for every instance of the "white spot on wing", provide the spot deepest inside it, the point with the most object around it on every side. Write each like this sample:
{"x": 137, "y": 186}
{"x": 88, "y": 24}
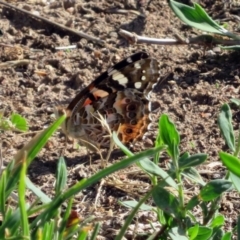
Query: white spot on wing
{"x": 143, "y": 78}
{"x": 137, "y": 65}
{"x": 129, "y": 60}
{"x": 137, "y": 85}
{"x": 118, "y": 76}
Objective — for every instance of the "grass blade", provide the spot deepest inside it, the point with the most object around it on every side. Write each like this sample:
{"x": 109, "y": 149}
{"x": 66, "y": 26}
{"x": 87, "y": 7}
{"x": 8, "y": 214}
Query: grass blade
{"x": 22, "y": 203}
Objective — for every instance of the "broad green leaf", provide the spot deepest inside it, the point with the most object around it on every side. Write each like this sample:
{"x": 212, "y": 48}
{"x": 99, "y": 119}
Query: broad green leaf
{"x": 214, "y": 189}
{"x": 193, "y": 175}
{"x": 184, "y": 156}
{"x": 235, "y": 180}
{"x": 192, "y": 161}
{"x": 177, "y": 233}
{"x": 217, "y": 233}
{"x": 193, "y": 202}
{"x": 217, "y": 221}
{"x": 154, "y": 169}
{"x": 232, "y": 163}
{"x": 227, "y": 236}
{"x": 193, "y": 232}
{"x": 169, "y": 136}
{"x": 196, "y": 17}
{"x": 225, "y": 124}
{"x": 19, "y": 122}
{"x": 235, "y": 100}
{"x": 203, "y": 233}
{"x": 166, "y": 201}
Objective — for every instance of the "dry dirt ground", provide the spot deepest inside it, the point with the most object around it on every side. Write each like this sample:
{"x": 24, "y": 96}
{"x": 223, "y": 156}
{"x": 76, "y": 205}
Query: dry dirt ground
{"x": 196, "y": 84}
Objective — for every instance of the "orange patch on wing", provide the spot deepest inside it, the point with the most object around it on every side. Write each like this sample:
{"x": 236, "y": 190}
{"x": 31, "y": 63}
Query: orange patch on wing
{"x": 130, "y": 132}
{"x": 87, "y": 102}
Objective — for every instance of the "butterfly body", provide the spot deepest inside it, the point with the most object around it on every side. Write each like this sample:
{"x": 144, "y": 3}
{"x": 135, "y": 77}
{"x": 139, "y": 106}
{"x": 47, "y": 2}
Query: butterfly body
{"x": 121, "y": 96}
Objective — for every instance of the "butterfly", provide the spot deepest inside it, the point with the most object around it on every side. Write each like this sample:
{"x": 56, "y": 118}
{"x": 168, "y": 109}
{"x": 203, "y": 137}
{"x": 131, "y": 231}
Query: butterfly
{"x": 121, "y": 96}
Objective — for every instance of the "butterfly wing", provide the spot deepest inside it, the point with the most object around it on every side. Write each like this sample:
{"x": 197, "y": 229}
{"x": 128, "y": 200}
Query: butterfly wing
{"x": 121, "y": 95}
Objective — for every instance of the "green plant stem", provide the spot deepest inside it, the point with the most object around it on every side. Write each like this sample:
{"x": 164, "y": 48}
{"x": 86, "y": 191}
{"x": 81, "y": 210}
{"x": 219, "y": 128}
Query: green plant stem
{"x": 213, "y": 208}
{"x": 180, "y": 193}
{"x": 180, "y": 185}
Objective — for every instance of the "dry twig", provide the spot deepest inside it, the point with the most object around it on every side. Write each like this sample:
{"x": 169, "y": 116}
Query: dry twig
{"x": 62, "y": 27}
{"x": 200, "y": 40}
{"x": 15, "y": 63}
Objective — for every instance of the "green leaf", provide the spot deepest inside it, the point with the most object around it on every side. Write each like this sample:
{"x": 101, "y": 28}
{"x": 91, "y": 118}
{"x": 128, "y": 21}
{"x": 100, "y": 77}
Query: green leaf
{"x": 225, "y": 124}
{"x": 177, "y": 233}
{"x": 3, "y": 183}
{"x": 146, "y": 164}
{"x": 41, "y": 195}
{"x": 238, "y": 226}
{"x": 30, "y": 151}
{"x": 217, "y": 233}
{"x": 214, "y": 189}
{"x": 166, "y": 201}
{"x": 61, "y": 176}
{"x": 192, "y": 161}
{"x": 19, "y": 122}
{"x": 63, "y": 225}
{"x": 169, "y": 136}
{"x": 22, "y": 202}
{"x": 232, "y": 163}
{"x": 154, "y": 169}
{"x": 235, "y": 180}
{"x": 84, "y": 183}
{"x": 193, "y": 232}
{"x": 218, "y": 221}
{"x": 12, "y": 222}
{"x": 193, "y": 202}
{"x": 235, "y": 100}
{"x": 227, "y": 236}
{"x": 203, "y": 233}
{"x": 196, "y": 17}
{"x": 95, "y": 232}
{"x": 48, "y": 230}
{"x": 193, "y": 175}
